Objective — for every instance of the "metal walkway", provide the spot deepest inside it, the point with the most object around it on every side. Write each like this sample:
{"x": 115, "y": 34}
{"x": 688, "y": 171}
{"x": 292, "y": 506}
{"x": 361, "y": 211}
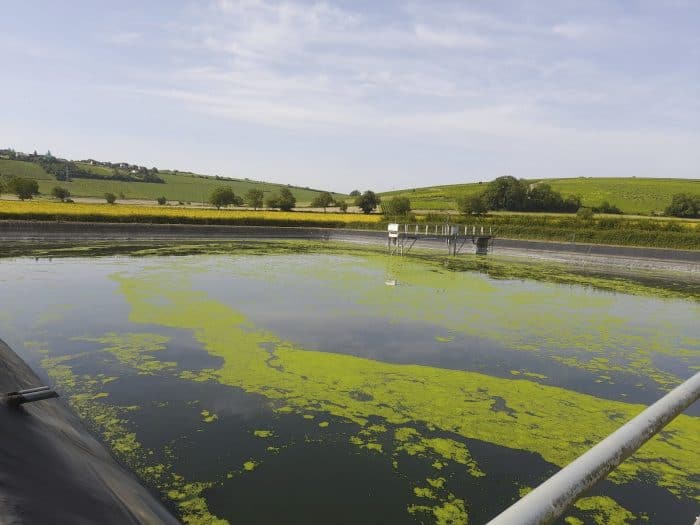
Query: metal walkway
{"x": 402, "y": 237}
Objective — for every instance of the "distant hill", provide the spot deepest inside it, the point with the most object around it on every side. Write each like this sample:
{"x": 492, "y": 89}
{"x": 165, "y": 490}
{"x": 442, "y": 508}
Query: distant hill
{"x": 94, "y": 179}
{"x": 632, "y": 195}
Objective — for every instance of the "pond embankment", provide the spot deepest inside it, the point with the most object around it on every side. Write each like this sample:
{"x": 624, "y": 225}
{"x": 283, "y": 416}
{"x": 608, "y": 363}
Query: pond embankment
{"x": 662, "y": 259}
{"x": 53, "y": 471}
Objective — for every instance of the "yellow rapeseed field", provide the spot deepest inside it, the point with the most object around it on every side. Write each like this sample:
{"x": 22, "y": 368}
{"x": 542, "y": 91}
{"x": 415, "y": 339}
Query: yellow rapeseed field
{"x": 39, "y": 209}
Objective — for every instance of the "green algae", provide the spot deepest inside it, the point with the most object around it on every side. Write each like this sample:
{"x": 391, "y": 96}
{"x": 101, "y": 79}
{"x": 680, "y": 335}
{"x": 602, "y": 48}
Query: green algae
{"x": 524, "y": 373}
{"x": 524, "y": 491}
{"x": 437, "y": 483}
{"x": 550, "y": 421}
{"x": 134, "y": 350}
{"x": 250, "y": 465}
{"x": 424, "y": 492}
{"x": 573, "y": 520}
{"x": 208, "y": 417}
{"x": 368, "y": 445}
{"x": 665, "y": 284}
{"x": 263, "y": 433}
{"x": 86, "y": 398}
{"x": 576, "y": 326}
{"x": 605, "y": 510}
{"x": 323, "y": 424}
{"x": 411, "y": 442}
{"x": 451, "y": 512}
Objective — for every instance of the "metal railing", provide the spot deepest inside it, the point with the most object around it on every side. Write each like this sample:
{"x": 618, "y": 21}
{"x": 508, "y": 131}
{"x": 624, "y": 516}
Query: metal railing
{"x": 551, "y": 499}
{"x": 441, "y": 230}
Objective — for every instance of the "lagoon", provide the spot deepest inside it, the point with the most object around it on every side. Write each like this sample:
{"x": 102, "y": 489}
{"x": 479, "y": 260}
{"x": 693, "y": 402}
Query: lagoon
{"x": 357, "y": 387}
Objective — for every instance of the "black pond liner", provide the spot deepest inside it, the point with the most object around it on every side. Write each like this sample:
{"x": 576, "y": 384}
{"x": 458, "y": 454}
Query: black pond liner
{"x": 53, "y": 471}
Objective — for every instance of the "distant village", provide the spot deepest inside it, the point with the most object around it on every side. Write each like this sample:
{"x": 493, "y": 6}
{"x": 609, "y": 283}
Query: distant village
{"x": 11, "y": 154}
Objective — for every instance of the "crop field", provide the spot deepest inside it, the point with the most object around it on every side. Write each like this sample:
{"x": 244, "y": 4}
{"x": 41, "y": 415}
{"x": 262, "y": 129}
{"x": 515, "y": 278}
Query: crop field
{"x": 180, "y": 186}
{"x": 47, "y": 210}
{"x": 631, "y": 195}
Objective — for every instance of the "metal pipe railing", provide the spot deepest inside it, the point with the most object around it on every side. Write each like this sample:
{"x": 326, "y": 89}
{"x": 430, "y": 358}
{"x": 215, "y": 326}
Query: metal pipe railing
{"x": 551, "y": 499}
{"x": 29, "y": 395}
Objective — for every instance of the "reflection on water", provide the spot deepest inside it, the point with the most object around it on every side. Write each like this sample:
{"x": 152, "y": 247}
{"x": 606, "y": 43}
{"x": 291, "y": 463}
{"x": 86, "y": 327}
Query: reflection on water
{"x": 284, "y": 388}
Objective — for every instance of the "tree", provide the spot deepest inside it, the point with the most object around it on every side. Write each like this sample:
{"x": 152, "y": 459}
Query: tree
{"x": 111, "y": 198}
{"x": 286, "y": 200}
{"x": 684, "y": 205}
{"x": 60, "y": 193}
{"x": 222, "y": 196}
{"x": 254, "y": 198}
{"x": 161, "y": 200}
{"x": 23, "y": 188}
{"x": 354, "y": 193}
{"x": 396, "y": 206}
{"x": 606, "y": 207}
{"x": 368, "y": 201}
{"x": 505, "y": 193}
{"x": 585, "y": 214}
{"x": 151, "y": 177}
{"x": 322, "y": 200}
{"x": 471, "y": 204}
{"x": 572, "y": 203}
{"x": 341, "y": 204}
{"x": 542, "y": 197}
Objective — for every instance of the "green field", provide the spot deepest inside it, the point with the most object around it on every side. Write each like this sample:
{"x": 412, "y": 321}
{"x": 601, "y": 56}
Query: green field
{"x": 180, "y": 186}
{"x": 27, "y": 170}
{"x": 631, "y": 195}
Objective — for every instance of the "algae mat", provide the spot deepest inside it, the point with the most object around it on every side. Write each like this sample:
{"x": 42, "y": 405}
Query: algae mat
{"x": 315, "y": 388}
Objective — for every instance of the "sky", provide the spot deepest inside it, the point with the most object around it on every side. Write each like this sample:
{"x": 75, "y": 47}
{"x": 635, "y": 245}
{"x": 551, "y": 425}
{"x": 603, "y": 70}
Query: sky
{"x": 358, "y": 94}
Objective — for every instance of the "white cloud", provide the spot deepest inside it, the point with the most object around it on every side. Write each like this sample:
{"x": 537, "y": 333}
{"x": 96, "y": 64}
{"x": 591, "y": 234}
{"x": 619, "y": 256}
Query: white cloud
{"x": 573, "y": 31}
{"x": 510, "y": 77}
{"x": 450, "y": 39}
{"x": 124, "y": 38}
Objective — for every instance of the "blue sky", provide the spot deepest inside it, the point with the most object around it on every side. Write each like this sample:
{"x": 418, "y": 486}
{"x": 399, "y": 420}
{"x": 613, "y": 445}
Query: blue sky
{"x": 361, "y": 94}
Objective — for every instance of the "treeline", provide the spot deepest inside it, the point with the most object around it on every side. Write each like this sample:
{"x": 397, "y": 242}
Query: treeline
{"x": 510, "y": 194}
{"x": 65, "y": 170}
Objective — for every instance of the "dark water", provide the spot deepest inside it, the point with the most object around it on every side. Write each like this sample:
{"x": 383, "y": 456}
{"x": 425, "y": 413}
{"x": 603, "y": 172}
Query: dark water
{"x": 611, "y": 346}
